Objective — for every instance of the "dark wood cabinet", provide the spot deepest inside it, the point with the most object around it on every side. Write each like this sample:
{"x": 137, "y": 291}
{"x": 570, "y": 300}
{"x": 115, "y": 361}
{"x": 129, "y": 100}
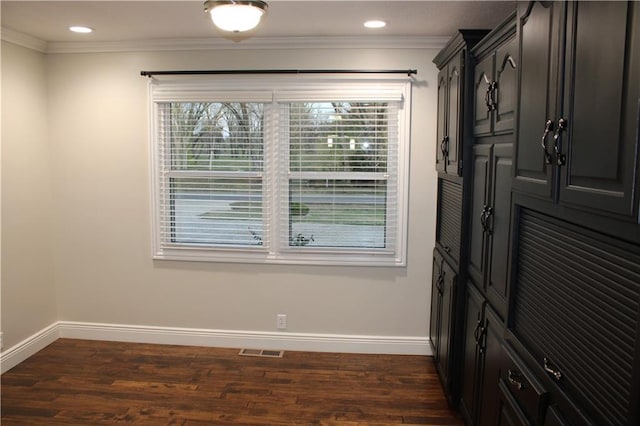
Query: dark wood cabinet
{"x": 490, "y": 222}
{"x": 453, "y": 105}
{"x": 444, "y": 282}
{"x": 578, "y": 108}
{"x": 481, "y": 361}
{"x": 453, "y": 139}
{"x": 495, "y": 81}
{"x": 547, "y": 305}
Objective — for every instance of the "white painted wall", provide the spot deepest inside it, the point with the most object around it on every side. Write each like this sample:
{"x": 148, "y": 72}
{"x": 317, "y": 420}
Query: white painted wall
{"x": 99, "y": 220}
{"x": 28, "y": 294}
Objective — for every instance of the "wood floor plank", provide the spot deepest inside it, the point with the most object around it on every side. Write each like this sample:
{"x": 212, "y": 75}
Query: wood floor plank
{"x": 79, "y": 382}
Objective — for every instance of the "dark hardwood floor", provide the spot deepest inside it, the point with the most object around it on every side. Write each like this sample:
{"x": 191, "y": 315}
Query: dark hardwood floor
{"x": 82, "y": 382}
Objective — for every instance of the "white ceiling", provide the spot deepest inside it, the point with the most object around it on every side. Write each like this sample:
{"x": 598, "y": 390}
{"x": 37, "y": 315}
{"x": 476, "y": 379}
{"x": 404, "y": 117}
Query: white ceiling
{"x": 119, "y": 21}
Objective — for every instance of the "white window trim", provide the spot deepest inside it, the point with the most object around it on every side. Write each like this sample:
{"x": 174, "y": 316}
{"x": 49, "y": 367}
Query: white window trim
{"x": 362, "y": 87}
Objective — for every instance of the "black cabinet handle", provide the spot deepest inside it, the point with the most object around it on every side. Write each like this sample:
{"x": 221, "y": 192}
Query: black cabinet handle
{"x": 487, "y": 223}
{"x": 439, "y": 283}
{"x": 489, "y": 97}
{"x": 476, "y": 332}
{"x": 483, "y": 217}
{"x": 482, "y": 341}
{"x": 550, "y": 368}
{"x": 444, "y": 146}
{"x": 514, "y": 378}
{"x": 561, "y": 159}
{"x": 548, "y": 128}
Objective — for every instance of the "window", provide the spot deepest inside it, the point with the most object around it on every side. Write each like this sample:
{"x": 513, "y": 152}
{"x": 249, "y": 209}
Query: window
{"x": 280, "y": 170}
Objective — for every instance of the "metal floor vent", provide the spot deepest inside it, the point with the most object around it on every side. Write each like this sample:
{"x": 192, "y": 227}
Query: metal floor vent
{"x": 261, "y": 352}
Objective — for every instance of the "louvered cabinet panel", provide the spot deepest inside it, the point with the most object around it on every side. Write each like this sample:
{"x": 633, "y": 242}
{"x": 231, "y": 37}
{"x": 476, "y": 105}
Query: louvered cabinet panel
{"x": 576, "y": 305}
{"x": 449, "y": 222}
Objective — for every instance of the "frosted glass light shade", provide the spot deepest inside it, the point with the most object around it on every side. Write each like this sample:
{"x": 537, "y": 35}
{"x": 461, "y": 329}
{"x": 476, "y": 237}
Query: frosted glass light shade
{"x": 236, "y": 16}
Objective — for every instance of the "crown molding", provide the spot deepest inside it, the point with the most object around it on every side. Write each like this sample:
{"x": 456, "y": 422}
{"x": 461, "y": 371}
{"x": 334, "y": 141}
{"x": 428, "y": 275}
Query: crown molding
{"x": 218, "y": 43}
{"x": 247, "y": 44}
{"x": 24, "y": 40}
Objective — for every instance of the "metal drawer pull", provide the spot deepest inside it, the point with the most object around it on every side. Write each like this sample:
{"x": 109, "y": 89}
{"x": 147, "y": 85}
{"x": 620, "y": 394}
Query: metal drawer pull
{"x": 487, "y": 216}
{"x": 561, "y": 159}
{"x": 489, "y": 97}
{"x": 476, "y": 332}
{"x": 548, "y": 128}
{"x": 513, "y": 378}
{"x": 444, "y": 146}
{"x": 483, "y": 217}
{"x": 549, "y": 369}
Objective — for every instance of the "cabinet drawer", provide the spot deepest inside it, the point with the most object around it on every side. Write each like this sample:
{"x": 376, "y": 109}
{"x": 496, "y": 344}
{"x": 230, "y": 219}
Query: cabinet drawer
{"x": 530, "y": 394}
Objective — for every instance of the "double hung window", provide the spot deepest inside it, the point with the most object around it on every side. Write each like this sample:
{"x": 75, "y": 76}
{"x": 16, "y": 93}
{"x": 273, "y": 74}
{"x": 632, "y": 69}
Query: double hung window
{"x": 280, "y": 170}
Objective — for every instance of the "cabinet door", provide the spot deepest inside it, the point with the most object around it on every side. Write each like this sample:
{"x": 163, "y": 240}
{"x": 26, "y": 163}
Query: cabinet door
{"x": 506, "y": 87}
{"x": 436, "y": 305}
{"x": 479, "y": 200}
{"x": 483, "y": 91}
{"x": 441, "y": 148}
{"x": 602, "y": 81}
{"x": 470, "y": 371}
{"x": 454, "y": 111}
{"x": 498, "y": 224}
{"x": 448, "y": 297}
{"x": 538, "y": 29}
{"x": 491, "y": 351}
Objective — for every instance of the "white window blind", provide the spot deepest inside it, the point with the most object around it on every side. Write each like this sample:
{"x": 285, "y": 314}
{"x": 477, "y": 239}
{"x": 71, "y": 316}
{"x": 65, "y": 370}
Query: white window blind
{"x": 255, "y": 171}
{"x": 341, "y": 180}
{"x": 210, "y": 186}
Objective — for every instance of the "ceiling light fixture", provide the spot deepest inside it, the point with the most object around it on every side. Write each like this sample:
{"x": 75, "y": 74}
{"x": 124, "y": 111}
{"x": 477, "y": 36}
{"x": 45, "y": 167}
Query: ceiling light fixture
{"x": 235, "y": 15}
{"x": 375, "y": 24}
{"x": 80, "y": 29}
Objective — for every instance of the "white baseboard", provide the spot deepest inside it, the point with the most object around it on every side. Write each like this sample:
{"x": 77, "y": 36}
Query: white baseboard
{"x": 392, "y": 345}
{"x": 29, "y": 346}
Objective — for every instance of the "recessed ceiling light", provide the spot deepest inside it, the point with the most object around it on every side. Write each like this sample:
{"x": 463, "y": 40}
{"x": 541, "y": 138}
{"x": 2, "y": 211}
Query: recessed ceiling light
{"x": 375, "y": 24}
{"x": 80, "y": 29}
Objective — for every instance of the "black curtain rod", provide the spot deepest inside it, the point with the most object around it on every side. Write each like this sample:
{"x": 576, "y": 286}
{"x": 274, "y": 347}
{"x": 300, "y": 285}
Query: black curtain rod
{"x": 233, "y": 72}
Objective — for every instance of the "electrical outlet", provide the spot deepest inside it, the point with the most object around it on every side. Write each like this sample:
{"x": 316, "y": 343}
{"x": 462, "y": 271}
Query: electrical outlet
{"x": 281, "y": 321}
